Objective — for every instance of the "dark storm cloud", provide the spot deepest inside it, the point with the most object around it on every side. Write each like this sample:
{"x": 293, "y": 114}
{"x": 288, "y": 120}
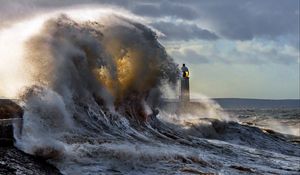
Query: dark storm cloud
{"x": 244, "y": 20}
{"x": 182, "y": 31}
{"x": 233, "y": 19}
{"x": 166, "y": 9}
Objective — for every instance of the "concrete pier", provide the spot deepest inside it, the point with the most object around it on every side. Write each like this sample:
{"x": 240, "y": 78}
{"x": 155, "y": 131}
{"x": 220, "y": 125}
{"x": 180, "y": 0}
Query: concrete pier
{"x": 10, "y": 116}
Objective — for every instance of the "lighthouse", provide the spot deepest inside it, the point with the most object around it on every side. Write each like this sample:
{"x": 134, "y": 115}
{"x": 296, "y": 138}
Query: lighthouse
{"x": 185, "y": 85}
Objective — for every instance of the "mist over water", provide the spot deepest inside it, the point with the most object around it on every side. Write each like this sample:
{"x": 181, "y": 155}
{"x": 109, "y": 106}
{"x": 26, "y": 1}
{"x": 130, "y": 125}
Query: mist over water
{"x": 91, "y": 89}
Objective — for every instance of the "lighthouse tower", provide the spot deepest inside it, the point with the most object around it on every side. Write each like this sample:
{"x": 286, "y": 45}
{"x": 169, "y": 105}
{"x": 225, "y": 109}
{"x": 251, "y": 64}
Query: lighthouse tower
{"x": 185, "y": 85}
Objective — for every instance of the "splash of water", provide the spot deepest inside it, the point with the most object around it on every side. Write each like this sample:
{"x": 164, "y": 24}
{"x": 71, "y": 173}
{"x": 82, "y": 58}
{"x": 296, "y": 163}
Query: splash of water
{"x": 82, "y": 76}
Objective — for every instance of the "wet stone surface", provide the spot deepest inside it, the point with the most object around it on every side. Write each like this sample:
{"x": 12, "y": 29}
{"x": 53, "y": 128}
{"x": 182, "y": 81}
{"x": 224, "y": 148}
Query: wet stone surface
{"x": 14, "y": 161}
{"x": 9, "y": 109}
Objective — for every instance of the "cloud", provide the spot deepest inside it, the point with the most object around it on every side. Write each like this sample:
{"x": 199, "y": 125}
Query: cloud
{"x": 183, "y": 31}
{"x": 166, "y": 8}
{"x": 191, "y": 56}
{"x": 255, "y": 52}
{"x": 242, "y": 20}
{"x": 262, "y": 52}
{"x": 232, "y": 19}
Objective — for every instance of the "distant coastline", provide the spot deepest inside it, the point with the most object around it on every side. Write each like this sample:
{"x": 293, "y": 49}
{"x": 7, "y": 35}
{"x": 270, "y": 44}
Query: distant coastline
{"x": 257, "y": 103}
{"x": 250, "y": 103}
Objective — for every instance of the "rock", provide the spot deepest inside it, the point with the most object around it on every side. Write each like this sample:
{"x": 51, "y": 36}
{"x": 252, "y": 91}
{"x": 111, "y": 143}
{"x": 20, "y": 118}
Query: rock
{"x": 9, "y": 109}
{"x": 241, "y": 168}
{"x": 13, "y": 161}
{"x": 190, "y": 170}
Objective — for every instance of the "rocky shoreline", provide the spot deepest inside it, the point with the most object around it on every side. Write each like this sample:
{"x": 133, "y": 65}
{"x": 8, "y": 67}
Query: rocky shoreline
{"x": 12, "y": 160}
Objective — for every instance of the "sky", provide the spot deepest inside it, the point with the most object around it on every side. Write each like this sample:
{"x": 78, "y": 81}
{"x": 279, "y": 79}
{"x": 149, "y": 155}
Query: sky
{"x": 233, "y": 48}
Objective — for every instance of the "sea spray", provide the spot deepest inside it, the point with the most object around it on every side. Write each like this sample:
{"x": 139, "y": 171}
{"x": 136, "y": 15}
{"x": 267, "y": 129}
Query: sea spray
{"x": 86, "y": 77}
